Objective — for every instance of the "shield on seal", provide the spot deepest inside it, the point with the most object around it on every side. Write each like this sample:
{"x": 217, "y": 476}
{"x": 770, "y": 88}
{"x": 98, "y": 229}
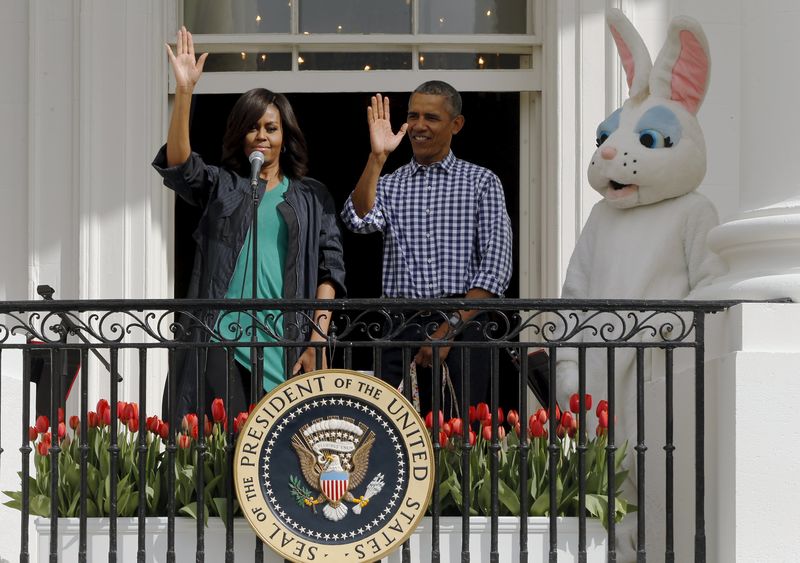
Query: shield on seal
{"x": 334, "y": 484}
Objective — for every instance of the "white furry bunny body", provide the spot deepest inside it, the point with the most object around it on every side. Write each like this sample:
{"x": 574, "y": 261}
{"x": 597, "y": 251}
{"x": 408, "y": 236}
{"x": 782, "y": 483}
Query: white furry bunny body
{"x": 646, "y": 239}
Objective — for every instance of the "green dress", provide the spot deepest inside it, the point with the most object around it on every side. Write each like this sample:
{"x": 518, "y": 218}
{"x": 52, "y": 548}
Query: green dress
{"x": 272, "y": 245}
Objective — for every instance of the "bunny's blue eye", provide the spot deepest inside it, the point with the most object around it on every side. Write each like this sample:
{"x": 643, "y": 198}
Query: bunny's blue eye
{"x": 653, "y": 139}
{"x": 607, "y": 127}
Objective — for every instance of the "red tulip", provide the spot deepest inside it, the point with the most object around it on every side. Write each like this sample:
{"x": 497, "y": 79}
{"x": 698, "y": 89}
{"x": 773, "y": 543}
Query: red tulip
{"x": 541, "y": 414}
{"x": 92, "y": 419}
{"x": 472, "y": 438}
{"x": 238, "y": 422}
{"x": 104, "y": 419}
{"x": 447, "y": 430}
{"x": 603, "y": 419}
{"x": 512, "y": 418}
{"x": 536, "y": 428}
{"x": 42, "y": 448}
{"x": 62, "y": 430}
{"x": 207, "y": 425}
{"x": 600, "y": 431}
{"x": 501, "y": 432}
{"x": 558, "y": 412}
{"x": 32, "y": 433}
{"x": 473, "y": 414}
{"x": 102, "y": 405}
{"x": 218, "y": 410}
{"x": 487, "y": 433}
{"x": 153, "y": 424}
{"x": 518, "y": 428}
{"x": 566, "y": 420}
{"x": 429, "y": 419}
{"x": 194, "y": 431}
{"x": 500, "y": 416}
{"x": 60, "y": 414}
{"x": 74, "y": 422}
{"x": 601, "y": 406}
{"x": 163, "y": 430}
{"x": 132, "y": 411}
{"x": 457, "y": 426}
{"x": 575, "y": 403}
{"x": 561, "y": 431}
{"x": 184, "y": 442}
{"x": 442, "y": 439}
{"x": 482, "y": 411}
{"x": 133, "y": 424}
{"x": 42, "y": 424}
{"x": 122, "y": 412}
{"x": 189, "y": 421}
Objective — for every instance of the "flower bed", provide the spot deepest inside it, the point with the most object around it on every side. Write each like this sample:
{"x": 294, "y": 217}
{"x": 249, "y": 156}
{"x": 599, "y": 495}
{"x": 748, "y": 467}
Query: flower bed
{"x": 216, "y": 435}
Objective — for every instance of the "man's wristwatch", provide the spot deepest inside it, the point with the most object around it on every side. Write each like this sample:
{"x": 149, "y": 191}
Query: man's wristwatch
{"x": 454, "y": 321}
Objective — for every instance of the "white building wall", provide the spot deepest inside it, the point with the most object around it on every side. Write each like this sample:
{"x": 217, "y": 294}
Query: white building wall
{"x": 14, "y": 151}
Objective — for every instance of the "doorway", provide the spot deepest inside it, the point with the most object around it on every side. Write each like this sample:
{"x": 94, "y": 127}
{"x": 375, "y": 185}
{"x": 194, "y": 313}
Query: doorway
{"x": 336, "y": 131}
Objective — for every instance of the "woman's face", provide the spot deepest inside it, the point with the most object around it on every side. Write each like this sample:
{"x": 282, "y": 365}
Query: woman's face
{"x": 266, "y": 136}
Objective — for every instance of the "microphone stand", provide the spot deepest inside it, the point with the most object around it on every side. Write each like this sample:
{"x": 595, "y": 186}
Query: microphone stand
{"x": 256, "y": 354}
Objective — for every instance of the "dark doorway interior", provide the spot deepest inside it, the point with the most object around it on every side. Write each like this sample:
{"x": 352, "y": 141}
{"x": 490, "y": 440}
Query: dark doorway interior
{"x": 336, "y": 131}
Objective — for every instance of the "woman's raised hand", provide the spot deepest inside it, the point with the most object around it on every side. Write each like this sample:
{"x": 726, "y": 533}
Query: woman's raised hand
{"x": 381, "y": 138}
{"x": 187, "y": 70}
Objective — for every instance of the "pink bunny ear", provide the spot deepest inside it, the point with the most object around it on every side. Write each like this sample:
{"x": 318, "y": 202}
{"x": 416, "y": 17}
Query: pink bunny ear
{"x": 632, "y": 52}
{"x": 682, "y": 69}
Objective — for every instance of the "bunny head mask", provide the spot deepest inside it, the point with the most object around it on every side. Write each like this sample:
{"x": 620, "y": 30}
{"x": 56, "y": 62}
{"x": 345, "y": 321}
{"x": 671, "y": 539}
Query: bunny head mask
{"x": 652, "y": 148}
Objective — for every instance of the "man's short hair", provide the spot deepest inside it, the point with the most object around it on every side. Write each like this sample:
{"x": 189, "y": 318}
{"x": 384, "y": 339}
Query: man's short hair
{"x": 441, "y": 88}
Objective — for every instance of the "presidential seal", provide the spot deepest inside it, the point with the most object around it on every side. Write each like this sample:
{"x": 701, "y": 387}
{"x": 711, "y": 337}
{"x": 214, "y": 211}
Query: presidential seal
{"x": 334, "y": 465}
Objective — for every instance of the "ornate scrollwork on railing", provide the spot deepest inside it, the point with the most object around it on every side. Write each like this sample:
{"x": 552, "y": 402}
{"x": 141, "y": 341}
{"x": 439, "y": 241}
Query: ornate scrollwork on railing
{"x": 140, "y": 322}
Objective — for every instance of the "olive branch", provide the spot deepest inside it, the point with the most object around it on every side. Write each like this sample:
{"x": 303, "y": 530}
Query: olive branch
{"x": 299, "y": 492}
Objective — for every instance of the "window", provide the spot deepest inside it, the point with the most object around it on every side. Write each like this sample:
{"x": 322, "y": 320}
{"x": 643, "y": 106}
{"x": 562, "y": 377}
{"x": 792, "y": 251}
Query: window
{"x": 296, "y": 39}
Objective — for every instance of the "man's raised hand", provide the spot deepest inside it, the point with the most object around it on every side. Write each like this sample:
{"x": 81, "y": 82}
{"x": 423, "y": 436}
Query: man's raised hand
{"x": 381, "y": 138}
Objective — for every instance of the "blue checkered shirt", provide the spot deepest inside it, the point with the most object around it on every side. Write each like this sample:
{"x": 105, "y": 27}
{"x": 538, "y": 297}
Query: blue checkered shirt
{"x": 445, "y": 229}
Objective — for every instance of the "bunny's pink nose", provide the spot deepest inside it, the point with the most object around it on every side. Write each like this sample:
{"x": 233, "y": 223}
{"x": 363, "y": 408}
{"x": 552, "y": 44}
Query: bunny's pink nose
{"x": 608, "y": 153}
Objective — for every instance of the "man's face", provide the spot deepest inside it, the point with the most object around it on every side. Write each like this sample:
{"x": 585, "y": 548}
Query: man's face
{"x": 431, "y": 127}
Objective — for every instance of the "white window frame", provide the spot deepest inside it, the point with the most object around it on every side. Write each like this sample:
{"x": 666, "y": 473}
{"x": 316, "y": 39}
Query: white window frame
{"x": 528, "y": 82}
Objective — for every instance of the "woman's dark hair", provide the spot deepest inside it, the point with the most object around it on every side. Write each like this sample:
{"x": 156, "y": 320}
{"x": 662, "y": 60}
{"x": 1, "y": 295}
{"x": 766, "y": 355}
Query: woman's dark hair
{"x": 247, "y": 110}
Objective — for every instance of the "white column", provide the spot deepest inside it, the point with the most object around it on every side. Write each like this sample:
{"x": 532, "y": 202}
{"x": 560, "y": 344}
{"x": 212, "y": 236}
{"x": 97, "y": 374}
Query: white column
{"x": 100, "y": 223}
{"x": 761, "y": 245}
{"x": 751, "y": 397}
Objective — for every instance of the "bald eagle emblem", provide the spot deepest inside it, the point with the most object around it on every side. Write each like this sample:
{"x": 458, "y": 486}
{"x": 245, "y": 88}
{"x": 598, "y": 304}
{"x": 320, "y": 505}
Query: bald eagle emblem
{"x": 334, "y": 458}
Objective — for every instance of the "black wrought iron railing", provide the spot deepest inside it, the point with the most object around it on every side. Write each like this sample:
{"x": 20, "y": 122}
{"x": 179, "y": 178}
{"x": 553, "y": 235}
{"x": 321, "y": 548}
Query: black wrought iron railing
{"x": 593, "y": 342}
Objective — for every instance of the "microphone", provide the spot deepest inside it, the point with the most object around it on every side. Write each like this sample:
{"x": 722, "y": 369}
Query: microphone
{"x": 256, "y": 159}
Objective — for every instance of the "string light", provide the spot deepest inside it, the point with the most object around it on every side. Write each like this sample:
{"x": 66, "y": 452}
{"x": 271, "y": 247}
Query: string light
{"x": 367, "y": 67}
{"x": 339, "y": 27}
{"x": 263, "y": 57}
{"x": 488, "y": 13}
{"x": 244, "y": 55}
{"x": 422, "y": 58}
{"x": 480, "y": 61}
{"x": 300, "y": 60}
{"x": 258, "y": 19}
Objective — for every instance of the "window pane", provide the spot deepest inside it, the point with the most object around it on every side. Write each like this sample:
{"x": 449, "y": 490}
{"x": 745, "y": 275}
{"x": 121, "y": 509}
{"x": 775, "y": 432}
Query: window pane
{"x": 473, "y": 16}
{"x": 221, "y": 16}
{"x": 354, "y": 61}
{"x": 469, "y": 61}
{"x": 227, "y": 62}
{"x": 355, "y": 16}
